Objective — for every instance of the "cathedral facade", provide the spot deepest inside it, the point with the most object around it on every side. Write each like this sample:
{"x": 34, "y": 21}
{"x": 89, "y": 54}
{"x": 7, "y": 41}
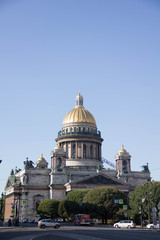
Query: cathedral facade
{"x": 76, "y": 163}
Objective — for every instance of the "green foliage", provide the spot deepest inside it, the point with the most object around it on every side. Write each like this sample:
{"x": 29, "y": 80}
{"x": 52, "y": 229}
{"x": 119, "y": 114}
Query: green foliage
{"x": 73, "y": 201}
{"x": 143, "y": 199}
{"x": 120, "y": 215}
{"x": 49, "y": 207}
{"x": 62, "y": 211}
{"x": 2, "y": 201}
{"x": 99, "y": 202}
{"x": 77, "y": 195}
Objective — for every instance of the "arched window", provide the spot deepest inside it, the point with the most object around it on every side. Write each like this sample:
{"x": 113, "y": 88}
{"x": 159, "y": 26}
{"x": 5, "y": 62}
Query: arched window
{"x": 84, "y": 151}
{"x": 37, "y": 204}
{"x": 125, "y": 166}
{"x": 91, "y": 151}
{"x": 59, "y": 164}
{"x": 74, "y": 151}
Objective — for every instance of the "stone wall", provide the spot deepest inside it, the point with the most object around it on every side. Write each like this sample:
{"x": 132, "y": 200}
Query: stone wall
{"x": 8, "y": 207}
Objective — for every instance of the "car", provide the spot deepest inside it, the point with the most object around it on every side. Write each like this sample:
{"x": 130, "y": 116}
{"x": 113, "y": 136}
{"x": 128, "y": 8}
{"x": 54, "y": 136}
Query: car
{"x": 48, "y": 223}
{"x": 125, "y": 224}
{"x": 31, "y": 221}
{"x": 36, "y": 220}
{"x": 151, "y": 225}
{"x": 25, "y": 220}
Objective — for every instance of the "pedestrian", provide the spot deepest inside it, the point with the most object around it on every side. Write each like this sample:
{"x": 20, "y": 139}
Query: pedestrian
{"x": 1, "y": 223}
{"x": 9, "y": 223}
{"x": 96, "y": 223}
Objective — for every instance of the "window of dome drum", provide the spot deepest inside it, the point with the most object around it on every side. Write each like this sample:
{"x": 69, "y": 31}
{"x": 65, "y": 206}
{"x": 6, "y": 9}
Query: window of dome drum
{"x": 74, "y": 151}
{"x": 90, "y": 151}
{"x": 84, "y": 151}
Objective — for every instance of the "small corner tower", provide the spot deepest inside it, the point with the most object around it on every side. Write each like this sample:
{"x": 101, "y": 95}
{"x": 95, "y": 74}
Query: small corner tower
{"x": 122, "y": 159}
{"x": 58, "y": 159}
{"x": 41, "y": 163}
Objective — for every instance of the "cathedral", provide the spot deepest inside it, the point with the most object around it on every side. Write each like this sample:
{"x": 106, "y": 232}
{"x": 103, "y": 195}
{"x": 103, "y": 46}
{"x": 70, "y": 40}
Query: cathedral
{"x": 76, "y": 163}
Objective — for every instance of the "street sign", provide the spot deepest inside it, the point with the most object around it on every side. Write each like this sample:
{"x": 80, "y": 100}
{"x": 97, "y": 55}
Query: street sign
{"x": 120, "y": 201}
{"x": 24, "y": 202}
{"x": 124, "y": 207}
{"x": 116, "y": 201}
{"x": 12, "y": 211}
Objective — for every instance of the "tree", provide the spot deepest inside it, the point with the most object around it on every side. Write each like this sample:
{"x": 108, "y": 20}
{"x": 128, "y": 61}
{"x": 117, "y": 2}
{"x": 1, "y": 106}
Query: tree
{"x": 143, "y": 199}
{"x": 100, "y": 203}
{"x": 62, "y": 211}
{"x": 73, "y": 202}
{"x": 2, "y": 206}
{"x": 49, "y": 207}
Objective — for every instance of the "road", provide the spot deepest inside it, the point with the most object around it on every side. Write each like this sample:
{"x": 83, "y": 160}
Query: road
{"x": 77, "y": 233}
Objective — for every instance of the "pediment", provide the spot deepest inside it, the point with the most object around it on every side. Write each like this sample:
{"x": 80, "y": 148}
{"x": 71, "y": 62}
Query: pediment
{"x": 99, "y": 180}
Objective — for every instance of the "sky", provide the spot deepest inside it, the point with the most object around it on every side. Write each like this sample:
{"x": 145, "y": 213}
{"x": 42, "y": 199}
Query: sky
{"x": 107, "y": 49}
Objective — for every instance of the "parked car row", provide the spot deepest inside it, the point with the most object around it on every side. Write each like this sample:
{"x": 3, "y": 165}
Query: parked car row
{"x": 56, "y": 224}
{"x": 26, "y": 220}
{"x": 131, "y": 224}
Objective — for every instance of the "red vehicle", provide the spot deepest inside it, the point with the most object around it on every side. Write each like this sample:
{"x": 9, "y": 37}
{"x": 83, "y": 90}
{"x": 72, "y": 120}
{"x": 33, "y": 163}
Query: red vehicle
{"x": 82, "y": 219}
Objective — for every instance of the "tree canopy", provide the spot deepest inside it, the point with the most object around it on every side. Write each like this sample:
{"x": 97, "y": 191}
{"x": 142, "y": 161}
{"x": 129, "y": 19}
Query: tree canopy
{"x": 143, "y": 199}
{"x": 73, "y": 202}
{"x": 49, "y": 207}
{"x": 62, "y": 211}
{"x": 100, "y": 202}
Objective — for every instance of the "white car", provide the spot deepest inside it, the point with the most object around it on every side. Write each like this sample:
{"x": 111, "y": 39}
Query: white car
{"x": 48, "y": 223}
{"x": 125, "y": 224}
{"x": 152, "y": 225}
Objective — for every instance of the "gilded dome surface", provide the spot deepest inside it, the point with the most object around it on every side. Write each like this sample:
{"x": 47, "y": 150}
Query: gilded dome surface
{"x": 122, "y": 150}
{"x": 79, "y": 114}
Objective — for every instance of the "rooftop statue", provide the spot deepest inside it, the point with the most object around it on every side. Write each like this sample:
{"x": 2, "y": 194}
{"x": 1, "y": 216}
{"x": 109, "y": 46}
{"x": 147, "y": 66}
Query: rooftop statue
{"x": 145, "y": 168}
{"x": 28, "y": 164}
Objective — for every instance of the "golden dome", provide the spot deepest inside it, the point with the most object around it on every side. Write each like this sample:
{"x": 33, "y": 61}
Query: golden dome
{"x": 79, "y": 114}
{"x": 41, "y": 158}
{"x": 41, "y": 163}
{"x": 58, "y": 147}
{"x": 122, "y": 150}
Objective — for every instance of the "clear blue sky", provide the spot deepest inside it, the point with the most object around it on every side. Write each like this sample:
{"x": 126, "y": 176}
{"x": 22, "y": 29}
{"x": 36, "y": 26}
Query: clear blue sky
{"x": 107, "y": 49}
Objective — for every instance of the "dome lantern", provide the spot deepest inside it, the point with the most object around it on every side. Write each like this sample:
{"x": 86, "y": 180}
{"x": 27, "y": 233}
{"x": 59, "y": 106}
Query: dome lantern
{"x": 79, "y": 100}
